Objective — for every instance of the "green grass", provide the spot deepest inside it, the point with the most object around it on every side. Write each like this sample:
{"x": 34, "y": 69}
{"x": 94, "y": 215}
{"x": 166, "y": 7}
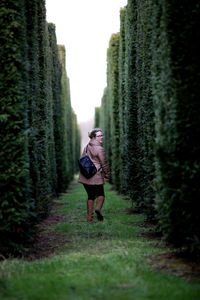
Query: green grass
{"x": 104, "y": 260}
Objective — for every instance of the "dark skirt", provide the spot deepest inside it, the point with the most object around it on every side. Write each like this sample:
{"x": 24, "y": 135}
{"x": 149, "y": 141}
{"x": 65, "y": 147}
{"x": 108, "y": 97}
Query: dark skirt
{"x": 94, "y": 191}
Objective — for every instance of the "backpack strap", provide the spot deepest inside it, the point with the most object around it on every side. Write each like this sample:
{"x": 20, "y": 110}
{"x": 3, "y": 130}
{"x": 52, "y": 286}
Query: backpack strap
{"x": 86, "y": 149}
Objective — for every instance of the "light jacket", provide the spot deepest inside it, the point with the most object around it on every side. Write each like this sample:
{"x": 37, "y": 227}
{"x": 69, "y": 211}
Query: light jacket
{"x": 96, "y": 153}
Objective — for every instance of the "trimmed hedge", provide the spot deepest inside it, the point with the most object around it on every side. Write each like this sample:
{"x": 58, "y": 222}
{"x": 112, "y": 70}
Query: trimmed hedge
{"x": 55, "y": 82}
{"x": 130, "y": 148}
{"x": 176, "y": 74}
{"x": 112, "y": 59}
{"x": 105, "y": 124}
{"x": 36, "y": 139}
{"x": 122, "y": 95}
{"x": 157, "y": 116}
{"x": 145, "y": 112}
{"x": 16, "y": 205}
{"x": 76, "y": 135}
{"x": 97, "y": 117}
{"x": 66, "y": 129}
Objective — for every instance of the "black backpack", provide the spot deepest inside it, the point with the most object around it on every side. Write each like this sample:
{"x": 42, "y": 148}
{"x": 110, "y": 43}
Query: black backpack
{"x": 86, "y": 166}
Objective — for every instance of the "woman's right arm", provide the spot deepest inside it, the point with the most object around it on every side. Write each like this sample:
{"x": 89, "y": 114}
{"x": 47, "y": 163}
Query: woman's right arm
{"x": 104, "y": 165}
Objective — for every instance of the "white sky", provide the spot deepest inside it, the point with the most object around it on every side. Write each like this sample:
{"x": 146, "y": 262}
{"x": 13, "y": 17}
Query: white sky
{"x": 85, "y": 28}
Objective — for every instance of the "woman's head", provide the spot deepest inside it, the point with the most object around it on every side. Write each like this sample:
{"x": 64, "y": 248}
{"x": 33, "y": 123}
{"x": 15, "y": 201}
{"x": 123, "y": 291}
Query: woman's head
{"x": 96, "y": 134}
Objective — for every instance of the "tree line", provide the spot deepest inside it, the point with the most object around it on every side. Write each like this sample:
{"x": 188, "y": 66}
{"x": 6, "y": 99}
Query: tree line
{"x": 39, "y": 135}
{"x": 150, "y": 114}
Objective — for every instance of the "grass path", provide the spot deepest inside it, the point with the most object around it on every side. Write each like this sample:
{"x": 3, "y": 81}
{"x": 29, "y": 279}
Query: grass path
{"x": 105, "y": 260}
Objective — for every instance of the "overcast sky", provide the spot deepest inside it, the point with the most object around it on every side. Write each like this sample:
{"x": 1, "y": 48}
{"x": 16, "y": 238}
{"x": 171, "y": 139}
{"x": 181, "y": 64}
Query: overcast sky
{"x": 85, "y": 28}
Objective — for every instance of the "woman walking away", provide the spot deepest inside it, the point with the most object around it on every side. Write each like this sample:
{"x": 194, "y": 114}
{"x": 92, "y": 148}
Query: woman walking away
{"x": 94, "y": 185}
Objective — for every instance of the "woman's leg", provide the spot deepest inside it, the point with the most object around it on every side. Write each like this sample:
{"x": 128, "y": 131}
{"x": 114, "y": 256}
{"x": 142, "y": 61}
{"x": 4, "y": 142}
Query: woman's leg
{"x": 90, "y": 202}
{"x": 100, "y": 200}
{"x": 90, "y": 210}
{"x": 99, "y": 205}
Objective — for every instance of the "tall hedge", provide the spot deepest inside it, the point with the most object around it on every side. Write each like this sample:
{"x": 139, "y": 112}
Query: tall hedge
{"x": 133, "y": 120}
{"x": 113, "y": 86}
{"x": 44, "y": 115}
{"x": 97, "y": 117}
{"x": 121, "y": 95}
{"x": 41, "y": 139}
{"x": 158, "y": 113}
{"x": 130, "y": 149}
{"x": 56, "y": 88}
{"x": 105, "y": 124}
{"x": 16, "y": 203}
{"x": 145, "y": 112}
{"x": 36, "y": 132}
{"x": 176, "y": 74}
{"x": 33, "y": 94}
{"x": 66, "y": 117}
{"x": 76, "y": 134}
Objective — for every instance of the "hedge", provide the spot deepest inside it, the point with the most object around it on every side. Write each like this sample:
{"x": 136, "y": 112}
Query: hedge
{"x": 113, "y": 74}
{"x": 145, "y": 112}
{"x": 158, "y": 112}
{"x": 97, "y": 117}
{"x": 34, "y": 93}
{"x": 121, "y": 95}
{"x": 130, "y": 148}
{"x": 105, "y": 124}
{"x": 15, "y": 182}
{"x": 176, "y": 75}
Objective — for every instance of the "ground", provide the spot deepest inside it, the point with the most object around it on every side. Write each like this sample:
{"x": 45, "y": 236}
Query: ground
{"x": 122, "y": 257}
{"x": 46, "y": 245}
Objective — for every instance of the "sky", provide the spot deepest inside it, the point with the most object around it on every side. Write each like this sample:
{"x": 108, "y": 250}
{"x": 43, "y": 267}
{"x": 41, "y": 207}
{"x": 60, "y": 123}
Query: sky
{"x": 85, "y": 28}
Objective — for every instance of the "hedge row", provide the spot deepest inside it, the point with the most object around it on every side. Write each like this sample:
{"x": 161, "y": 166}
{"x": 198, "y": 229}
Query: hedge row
{"x": 150, "y": 114}
{"x": 38, "y": 150}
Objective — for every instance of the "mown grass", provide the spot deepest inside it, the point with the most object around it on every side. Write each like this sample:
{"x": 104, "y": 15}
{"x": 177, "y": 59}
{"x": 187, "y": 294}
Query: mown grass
{"x": 104, "y": 260}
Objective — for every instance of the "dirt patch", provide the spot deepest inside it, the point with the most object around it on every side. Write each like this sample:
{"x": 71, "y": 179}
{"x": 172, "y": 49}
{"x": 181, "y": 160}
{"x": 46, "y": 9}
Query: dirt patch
{"x": 70, "y": 188}
{"x": 144, "y": 224}
{"x": 133, "y": 211}
{"x": 127, "y": 199}
{"x": 151, "y": 235}
{"x": 172, "y": 261}
{"x": 182, "y": 267}
{"x": 47, "y": 242}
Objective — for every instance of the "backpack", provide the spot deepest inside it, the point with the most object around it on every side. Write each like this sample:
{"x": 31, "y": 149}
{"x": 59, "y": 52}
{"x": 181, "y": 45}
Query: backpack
{"x": 86, "y": 166}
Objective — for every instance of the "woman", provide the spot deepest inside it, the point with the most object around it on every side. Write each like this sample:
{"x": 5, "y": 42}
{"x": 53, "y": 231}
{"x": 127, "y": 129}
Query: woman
{"x": 94, "y": 185}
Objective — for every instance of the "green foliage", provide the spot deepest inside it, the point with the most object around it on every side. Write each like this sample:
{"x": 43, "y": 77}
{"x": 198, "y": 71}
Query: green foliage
{"x": 97, "y": 117}
{"x": 66, "y": 129}
{"x": 130, "y": 149}
{"x": 176, "y": 95}
{"x": 36, "y": 139}
{"x": 153, "y": 109}
{"x": 113, "y": 81}
{"x": 76, "y": 134}
{"x": 121, "y": 94}
{"x": 14, "y": 160}
{"x": 105, "y": 124}
{"x": 44, "y": 116}
{"x": 145, "y": 112}
{"x": 55, "y": 89}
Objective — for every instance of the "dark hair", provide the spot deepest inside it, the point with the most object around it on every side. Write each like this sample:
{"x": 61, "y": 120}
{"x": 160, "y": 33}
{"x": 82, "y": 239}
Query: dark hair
{"x": 92, "y": 133}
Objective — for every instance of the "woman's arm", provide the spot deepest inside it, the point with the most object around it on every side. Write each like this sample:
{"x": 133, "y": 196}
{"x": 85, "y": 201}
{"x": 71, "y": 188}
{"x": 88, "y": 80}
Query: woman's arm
{"x": 103, "y": 162}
